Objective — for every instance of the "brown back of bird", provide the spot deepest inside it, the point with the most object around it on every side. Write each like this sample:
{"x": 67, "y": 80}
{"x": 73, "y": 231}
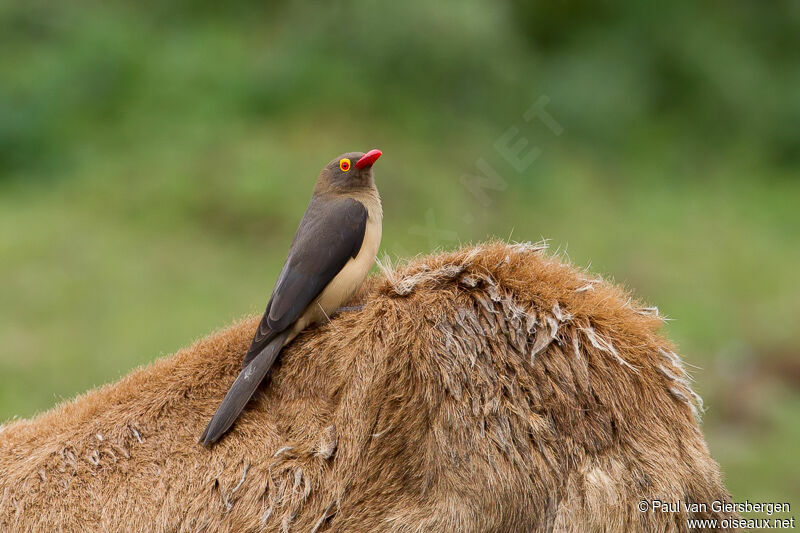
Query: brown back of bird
{"x": 489, "y": 389}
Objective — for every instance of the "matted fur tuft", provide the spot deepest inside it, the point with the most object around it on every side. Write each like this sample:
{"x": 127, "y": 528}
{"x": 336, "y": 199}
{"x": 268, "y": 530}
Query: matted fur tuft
{"x": 494, "y": 388}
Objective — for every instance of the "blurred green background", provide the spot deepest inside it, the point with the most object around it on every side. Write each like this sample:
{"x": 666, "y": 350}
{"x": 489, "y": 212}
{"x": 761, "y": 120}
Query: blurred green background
{"x": 155, "y": 159}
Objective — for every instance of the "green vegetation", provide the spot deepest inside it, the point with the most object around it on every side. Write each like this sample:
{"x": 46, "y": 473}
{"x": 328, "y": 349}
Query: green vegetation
{"x": 155, "y": 160}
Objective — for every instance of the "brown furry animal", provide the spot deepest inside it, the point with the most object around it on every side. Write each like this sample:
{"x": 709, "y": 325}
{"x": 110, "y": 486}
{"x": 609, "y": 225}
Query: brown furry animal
{"x": 494, "y": 388}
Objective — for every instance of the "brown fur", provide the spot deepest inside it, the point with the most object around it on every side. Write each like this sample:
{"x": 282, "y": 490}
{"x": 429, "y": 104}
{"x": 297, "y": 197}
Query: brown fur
{"x": 494, "y": 388}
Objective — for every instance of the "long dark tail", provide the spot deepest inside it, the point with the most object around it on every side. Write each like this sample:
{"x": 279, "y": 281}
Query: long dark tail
{"x": 242, "y": 390}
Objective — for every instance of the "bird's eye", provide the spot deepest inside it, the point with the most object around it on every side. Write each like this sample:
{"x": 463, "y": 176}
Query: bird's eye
{"x": 344, "y": 164}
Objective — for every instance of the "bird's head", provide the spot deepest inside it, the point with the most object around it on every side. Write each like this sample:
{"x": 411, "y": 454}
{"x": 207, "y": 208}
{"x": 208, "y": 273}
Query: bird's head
{"x": 348, "y": 172}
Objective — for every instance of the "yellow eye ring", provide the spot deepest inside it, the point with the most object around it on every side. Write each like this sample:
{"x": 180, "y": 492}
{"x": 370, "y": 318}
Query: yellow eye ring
{"x": 344, "y": 164}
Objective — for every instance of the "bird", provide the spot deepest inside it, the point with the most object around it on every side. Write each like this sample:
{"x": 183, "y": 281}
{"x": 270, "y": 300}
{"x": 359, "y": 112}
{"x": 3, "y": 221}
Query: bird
{"x": 333, "y": 249}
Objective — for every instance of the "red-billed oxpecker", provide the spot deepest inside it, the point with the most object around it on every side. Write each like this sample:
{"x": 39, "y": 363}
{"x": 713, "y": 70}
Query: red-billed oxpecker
{"x": 331, "y": 254}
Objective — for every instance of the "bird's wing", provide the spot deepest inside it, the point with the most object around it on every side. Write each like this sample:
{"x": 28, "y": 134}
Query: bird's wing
{"x": 330, "y": 234}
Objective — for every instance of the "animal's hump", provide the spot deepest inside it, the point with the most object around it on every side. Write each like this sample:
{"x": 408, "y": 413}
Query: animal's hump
{"x": 492, "y": 388}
